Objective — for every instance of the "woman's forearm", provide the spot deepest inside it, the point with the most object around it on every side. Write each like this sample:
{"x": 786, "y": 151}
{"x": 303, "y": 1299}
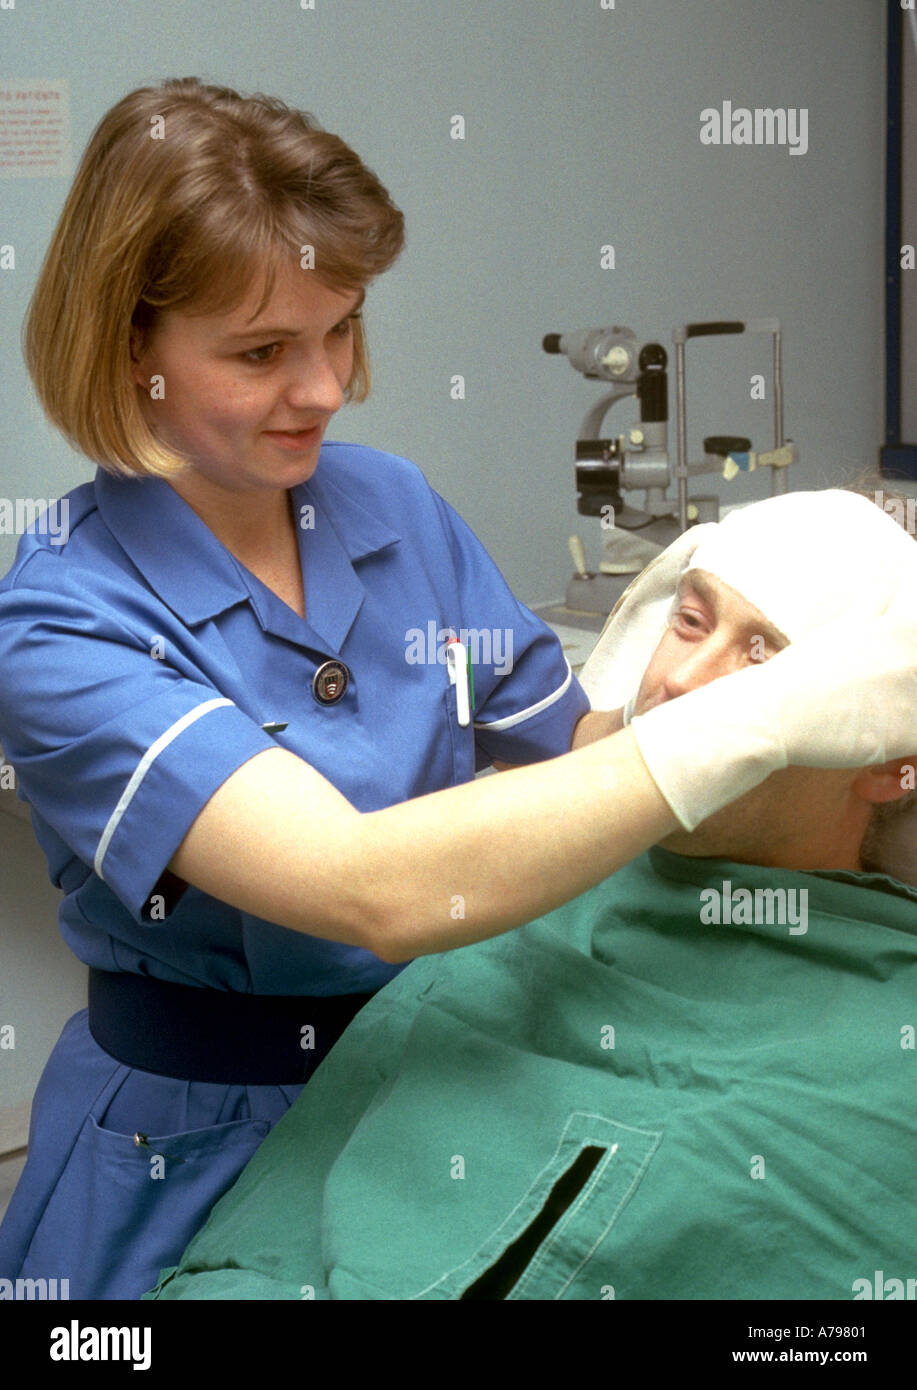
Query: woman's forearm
{"x": 465, "y": 864}
{"x": 277, "y": 840}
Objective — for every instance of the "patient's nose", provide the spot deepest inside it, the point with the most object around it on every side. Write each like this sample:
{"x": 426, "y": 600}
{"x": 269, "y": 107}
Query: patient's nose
{"x": 702, "y": 663}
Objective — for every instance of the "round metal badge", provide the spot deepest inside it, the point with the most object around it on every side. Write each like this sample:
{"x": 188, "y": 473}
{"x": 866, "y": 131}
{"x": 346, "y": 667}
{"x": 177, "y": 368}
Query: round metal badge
{"x": 329, "y": 682}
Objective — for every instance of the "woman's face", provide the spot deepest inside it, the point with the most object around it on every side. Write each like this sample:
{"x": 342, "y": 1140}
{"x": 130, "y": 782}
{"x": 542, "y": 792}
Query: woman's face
{"x": 231, "y": 391}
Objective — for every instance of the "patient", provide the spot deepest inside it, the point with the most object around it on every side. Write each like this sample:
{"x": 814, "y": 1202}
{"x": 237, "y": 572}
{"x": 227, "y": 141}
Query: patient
{"x": 696, "y": 1081}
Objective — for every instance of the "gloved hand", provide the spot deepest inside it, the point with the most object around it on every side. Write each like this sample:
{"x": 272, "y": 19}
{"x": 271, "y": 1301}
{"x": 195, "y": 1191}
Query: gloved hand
{"x": 846, "y": 696}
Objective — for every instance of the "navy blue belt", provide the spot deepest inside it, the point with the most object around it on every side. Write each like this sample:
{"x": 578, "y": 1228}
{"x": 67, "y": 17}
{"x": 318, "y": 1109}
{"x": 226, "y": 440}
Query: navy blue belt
{"x": 213, "y": 1034}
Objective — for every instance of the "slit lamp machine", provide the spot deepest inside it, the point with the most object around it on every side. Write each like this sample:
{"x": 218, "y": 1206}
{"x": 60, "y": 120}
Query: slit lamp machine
{"x": 607, "y": 468}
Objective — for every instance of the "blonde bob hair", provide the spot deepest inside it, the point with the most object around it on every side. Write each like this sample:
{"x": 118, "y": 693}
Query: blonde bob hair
{"x": 185, "y": 196}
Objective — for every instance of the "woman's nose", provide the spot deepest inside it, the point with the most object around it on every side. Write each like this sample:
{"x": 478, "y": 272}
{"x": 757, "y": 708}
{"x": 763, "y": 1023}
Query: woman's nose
{"x": 314, "y": 386}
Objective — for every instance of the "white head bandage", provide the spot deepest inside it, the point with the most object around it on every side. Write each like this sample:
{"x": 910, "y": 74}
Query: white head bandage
{"x": 806, "y": 558}
{"x": 802, "y": 559}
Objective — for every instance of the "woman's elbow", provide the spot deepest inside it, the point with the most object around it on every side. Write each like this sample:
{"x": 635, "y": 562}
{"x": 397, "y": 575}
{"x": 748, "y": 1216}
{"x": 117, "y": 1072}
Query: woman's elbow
{"x": 379, "y": 929}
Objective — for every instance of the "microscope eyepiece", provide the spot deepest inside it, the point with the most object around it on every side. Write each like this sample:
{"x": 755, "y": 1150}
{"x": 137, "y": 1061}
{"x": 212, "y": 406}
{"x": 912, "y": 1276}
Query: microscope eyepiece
{"x": 652, "y": 355}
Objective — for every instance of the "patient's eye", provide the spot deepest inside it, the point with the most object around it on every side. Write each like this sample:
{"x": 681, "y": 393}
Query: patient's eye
{"x": 688, "y": 619}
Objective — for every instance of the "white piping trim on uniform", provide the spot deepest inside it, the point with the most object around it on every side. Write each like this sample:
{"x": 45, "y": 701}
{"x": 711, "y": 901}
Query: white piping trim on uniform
{"x": 532, "y": 710}
{"x": 141, "y": 770}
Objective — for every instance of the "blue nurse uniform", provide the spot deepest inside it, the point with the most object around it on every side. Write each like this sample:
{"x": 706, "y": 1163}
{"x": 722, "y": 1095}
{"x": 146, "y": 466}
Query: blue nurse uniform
{"x": 142, "y": 664}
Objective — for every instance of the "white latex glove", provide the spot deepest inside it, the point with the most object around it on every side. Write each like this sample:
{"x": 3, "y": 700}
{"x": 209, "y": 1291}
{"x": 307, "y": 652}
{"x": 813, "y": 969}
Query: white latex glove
{"x": 844, "y": 697}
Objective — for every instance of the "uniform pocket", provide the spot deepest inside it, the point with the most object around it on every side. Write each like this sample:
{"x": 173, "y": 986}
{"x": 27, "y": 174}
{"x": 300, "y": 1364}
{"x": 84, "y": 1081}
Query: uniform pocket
{"x": 122, "y": 1211}
{"x": 546, "y": 1242}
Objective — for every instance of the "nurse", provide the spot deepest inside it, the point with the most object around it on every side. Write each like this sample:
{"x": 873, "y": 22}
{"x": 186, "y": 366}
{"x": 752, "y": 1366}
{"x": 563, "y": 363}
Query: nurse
{"x": 251, "y": 778}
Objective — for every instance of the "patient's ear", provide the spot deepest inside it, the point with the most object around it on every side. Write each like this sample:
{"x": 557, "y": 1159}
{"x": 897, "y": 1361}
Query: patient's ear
{"x": 887, "y": 781}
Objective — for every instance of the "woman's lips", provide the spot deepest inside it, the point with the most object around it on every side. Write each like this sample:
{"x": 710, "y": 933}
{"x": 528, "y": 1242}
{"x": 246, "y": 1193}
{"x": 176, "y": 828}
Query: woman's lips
{"x": 303, "y": 439}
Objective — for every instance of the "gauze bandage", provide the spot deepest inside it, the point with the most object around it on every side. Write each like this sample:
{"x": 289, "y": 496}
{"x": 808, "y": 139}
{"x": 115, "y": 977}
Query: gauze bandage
{"x": 806, "y": 558}
{"x": 803, "y": 559}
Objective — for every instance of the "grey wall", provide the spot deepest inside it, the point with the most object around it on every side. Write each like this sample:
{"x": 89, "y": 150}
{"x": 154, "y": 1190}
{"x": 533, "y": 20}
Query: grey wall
{"x": 41, "y": 981}
{"x": 582, "y": 129}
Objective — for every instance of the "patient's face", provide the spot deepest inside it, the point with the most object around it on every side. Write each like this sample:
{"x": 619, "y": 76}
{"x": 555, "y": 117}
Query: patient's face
{"x": 792, "y": 818}
{"x": 712, "y": 631}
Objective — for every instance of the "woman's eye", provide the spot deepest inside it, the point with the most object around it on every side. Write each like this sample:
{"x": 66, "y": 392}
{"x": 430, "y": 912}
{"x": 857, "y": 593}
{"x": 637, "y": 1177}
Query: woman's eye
{"x": 346, "y": 325}
{"x": 255, "y": 355}
{"x": 251, "y": 355}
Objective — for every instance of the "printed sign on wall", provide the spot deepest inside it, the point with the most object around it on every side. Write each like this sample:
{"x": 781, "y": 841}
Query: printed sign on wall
{"x": 34, "y": 128}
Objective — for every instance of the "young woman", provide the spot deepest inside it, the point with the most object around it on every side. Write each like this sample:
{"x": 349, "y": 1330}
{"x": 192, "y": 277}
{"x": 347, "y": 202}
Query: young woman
{"x": 251, "y": 778}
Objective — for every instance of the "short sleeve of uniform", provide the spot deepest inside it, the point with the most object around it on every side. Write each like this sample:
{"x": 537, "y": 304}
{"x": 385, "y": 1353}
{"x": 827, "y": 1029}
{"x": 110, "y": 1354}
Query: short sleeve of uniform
{"x": 527, "y": 700}
{"x": 113, "y": 746}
